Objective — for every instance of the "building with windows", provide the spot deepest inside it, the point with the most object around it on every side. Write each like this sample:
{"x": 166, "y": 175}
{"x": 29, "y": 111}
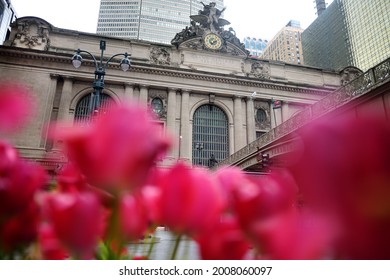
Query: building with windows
{"x": 349, "y": 32}
{"x": 202, "y": 92}
{"x": 7, "y": 15}
{"x": 255, "y": 46}
{"x": 286, "y": 46}
{"x": 150, "y": 20}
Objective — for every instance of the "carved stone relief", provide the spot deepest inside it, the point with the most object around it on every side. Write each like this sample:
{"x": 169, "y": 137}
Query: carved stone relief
{"x": 32, "y": 33}
{"x": 348, "y": 74}
{"x": 160, "y": 56}
{"x": 260, "y": 69}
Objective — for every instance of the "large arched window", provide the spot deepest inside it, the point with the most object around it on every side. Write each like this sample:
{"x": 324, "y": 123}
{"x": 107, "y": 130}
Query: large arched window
{"x": 83, "y": 107}
{"x": 210, "y": 136}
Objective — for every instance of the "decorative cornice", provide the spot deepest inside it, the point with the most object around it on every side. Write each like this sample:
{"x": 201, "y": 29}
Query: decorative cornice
{"x": 175, "y": 72}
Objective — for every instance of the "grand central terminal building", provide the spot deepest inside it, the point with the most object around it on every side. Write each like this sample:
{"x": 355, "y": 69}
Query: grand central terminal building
{"x": 204, "y": 88}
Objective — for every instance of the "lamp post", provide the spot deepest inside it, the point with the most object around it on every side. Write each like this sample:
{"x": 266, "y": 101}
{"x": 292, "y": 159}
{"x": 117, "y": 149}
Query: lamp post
{"x": 199, "y": 147}
{"x": 100, "y": 72}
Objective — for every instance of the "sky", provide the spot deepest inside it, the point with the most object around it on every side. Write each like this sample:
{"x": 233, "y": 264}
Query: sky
{"x": 249, "y": 18}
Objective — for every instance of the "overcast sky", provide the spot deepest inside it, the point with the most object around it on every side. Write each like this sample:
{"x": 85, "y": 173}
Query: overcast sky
{"x": 253, "y": 18}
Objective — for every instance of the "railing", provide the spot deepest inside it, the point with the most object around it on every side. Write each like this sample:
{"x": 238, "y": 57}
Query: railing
{"x": 346, "y": 93}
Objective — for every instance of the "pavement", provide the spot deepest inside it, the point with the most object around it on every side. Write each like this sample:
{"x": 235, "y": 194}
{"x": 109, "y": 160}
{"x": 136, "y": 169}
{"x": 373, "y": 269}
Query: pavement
{"x": 163, "y": 247}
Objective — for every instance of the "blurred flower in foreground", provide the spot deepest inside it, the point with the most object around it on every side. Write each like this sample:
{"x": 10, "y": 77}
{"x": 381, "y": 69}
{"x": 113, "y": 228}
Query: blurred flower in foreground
{"x": 344, "y": 172}
{"x": 19, "y": 181}
{"x": 223, "y": 241}
{"x": 263, "y": 197}
{"x": 118, "y": 149}
{"x": 15, "y": 107}
{"x": 76, "y": 219}
{"x": 190, "y": 200}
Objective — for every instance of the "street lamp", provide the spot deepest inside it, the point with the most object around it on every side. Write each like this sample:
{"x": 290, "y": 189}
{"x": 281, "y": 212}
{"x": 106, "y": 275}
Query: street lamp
{"x": 199, "y": 147}
{"x": 100, "y": 71}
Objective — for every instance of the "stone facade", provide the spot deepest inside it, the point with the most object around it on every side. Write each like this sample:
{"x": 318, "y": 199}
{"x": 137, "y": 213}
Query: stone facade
{"x": 184, "y": 78}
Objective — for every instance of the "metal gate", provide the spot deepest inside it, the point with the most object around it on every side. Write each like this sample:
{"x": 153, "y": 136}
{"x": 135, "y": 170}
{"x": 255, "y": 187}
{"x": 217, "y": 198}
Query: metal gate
{"x": 210, "y": 136}
{"x": 83, "y": 107}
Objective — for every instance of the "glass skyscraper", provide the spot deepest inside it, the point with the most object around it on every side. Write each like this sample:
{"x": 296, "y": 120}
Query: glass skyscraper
{"x": 255, "y": 46}
{"x": 149, "y": 20}
{"x": 368, "y": 25}
{"x": 349, "y": 32}
{"x": 7, "y": 15}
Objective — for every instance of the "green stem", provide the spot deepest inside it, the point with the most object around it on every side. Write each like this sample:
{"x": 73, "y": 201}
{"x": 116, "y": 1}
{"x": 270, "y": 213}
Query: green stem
{"x": 174, "y": 252}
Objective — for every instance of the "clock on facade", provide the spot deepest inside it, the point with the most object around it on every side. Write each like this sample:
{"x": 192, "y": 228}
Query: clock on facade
{"x": 212, "y": 41}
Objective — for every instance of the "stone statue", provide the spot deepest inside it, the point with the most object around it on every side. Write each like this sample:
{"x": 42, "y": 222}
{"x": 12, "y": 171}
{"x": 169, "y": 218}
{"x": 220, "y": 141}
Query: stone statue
{"x": 212, "y": 161}
{"x": 209, "y": 17}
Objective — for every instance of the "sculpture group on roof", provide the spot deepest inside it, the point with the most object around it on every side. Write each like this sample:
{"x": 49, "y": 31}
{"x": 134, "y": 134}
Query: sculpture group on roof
{"x": 207, "y": 20}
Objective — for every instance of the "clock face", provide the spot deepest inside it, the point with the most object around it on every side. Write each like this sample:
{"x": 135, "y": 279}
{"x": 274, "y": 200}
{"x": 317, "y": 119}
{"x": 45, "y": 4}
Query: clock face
{"x": 212, "y": 41}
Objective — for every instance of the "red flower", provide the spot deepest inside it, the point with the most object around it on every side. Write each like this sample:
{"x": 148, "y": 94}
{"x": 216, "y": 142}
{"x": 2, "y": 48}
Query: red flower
{"x": 76, "y": 219}
{"x": 19, "y": 181}
{"x": 224, "y": 241}
{"x": 134, "y": 218}
{"x": 19, "y": 231}
{"x": 344, "y": 172}
{"x": 294, "y": 236}
{"x": 15, "y": 107}
{"x": 190, "y": 200}
{"x": 118, "y": 149}
{"x": 50, "y": 246}
{"x": 264, "y": 196}
{"x": 231, "y": 179}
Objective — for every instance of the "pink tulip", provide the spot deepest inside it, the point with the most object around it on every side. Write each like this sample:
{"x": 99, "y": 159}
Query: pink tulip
{"x": 118, "y": 149}
{"x": 15, "y": 106}
{"x": 344, "y": 172}
{"x": 190, "y": 200}
{"x": 19, "y": 181}
{"x": 264, "y": 196}
{"x": 231, "y": 179}
{"x": 50, "y": 246}
{"x": 76, "y": 219}
{"x": 223, "y": 241}
{"x": 293, "y": 235}
{"x": 20, "y": 230}
{"x": 134, "y": 218}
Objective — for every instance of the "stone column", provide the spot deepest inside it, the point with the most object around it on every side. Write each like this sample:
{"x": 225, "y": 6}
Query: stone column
{"x": 143, "y": 95}
{"x": 171, "y": 120}
{"x": 51, "y": 113}
{"x": 129, "y": 92}
{"x": 184, "y": 150}
{"x": 66, "y": 96}
{"x": 237, "y": 123}
{"x": 250, "y": 120}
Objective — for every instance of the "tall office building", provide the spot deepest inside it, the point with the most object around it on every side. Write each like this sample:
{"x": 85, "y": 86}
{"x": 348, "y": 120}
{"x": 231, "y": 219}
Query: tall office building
{"x": 255, "y": 46}
{"x": 149, "y": 20}
{"x": 286, "y": 45}
{"x": 349, "y": 32}
{"x": 7, "y": 15}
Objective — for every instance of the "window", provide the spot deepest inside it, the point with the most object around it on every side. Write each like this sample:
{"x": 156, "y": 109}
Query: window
{"x": 157, "y": 105}
{"x": 84, "y": 106}
{"x": 261, "y": 116}
{"x": 210, "y": 135}
{"x": 259, "y": 133}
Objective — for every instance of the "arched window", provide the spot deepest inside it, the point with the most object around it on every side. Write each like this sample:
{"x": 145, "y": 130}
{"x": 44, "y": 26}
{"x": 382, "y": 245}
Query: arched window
{"x": 83, "y": 107}
{"x": 210, "y": 135}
